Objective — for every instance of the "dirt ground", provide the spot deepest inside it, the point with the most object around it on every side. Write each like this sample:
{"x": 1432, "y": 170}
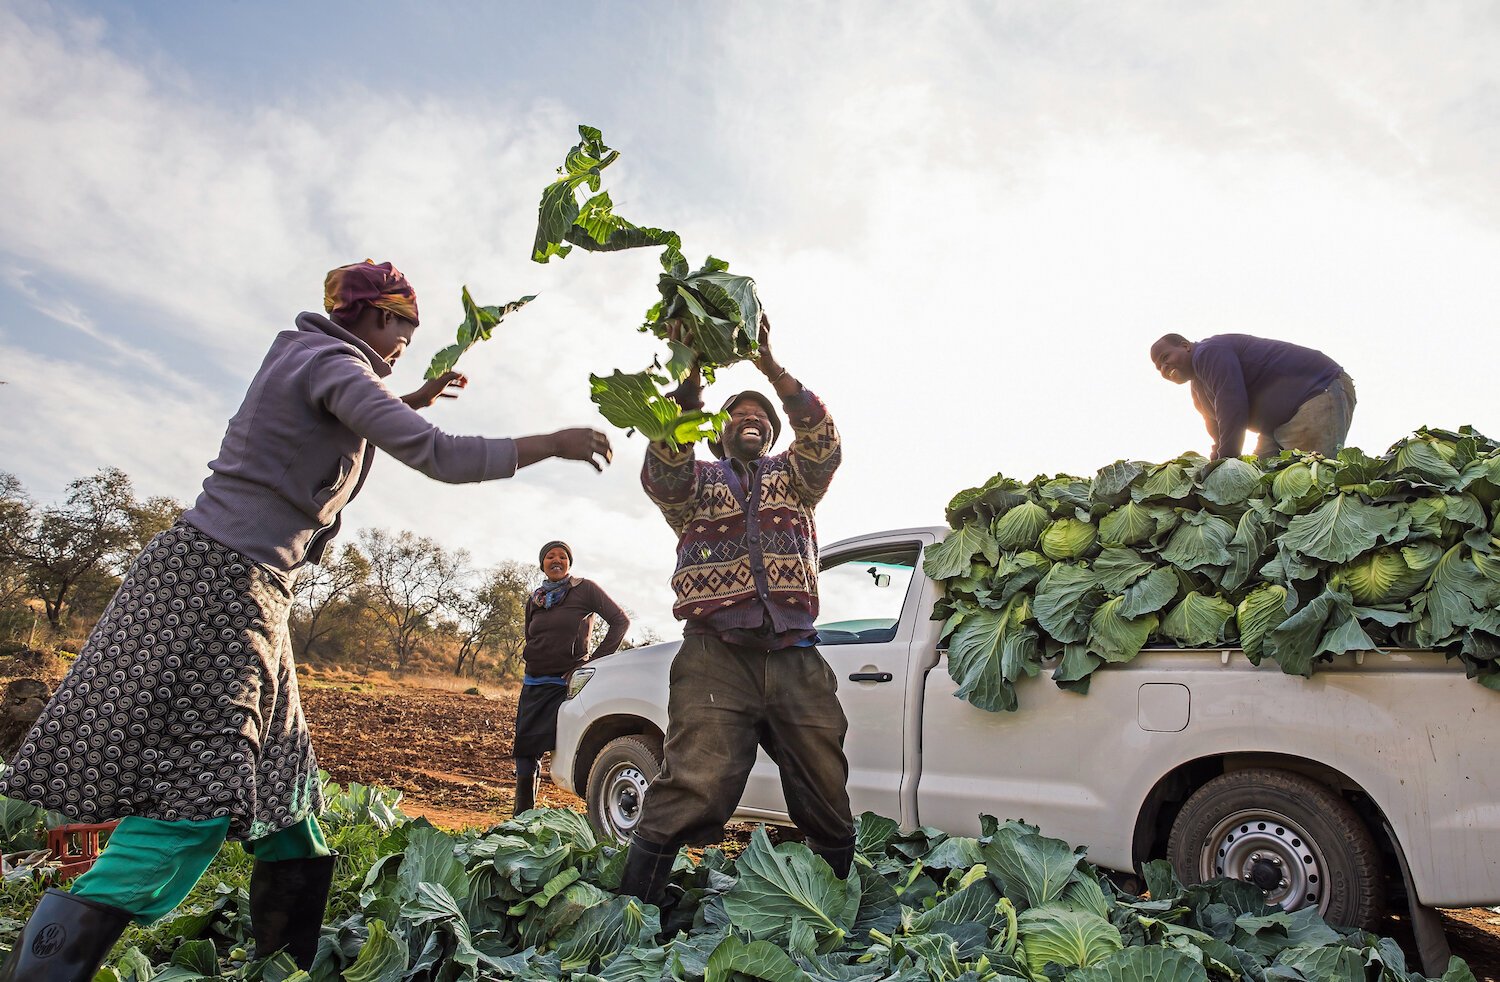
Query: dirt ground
{"x": 447, "y": 753}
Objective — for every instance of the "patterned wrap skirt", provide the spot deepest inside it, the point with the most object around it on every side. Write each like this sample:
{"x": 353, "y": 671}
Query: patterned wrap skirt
{"x": 183, "y": 704}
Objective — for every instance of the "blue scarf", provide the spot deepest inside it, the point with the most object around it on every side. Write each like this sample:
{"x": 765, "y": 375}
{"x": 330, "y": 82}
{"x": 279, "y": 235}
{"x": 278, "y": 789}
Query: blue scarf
{"x": 550, "y": 594}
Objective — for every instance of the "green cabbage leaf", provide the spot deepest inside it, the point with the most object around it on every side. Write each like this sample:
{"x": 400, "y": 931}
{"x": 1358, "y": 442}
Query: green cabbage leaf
{"x": 478, "y": 325}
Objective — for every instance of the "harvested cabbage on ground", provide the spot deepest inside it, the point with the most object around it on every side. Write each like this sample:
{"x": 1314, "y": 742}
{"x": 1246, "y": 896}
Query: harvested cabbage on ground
{"x": 1295, "y": 559}
{"x": 532, "y": 899}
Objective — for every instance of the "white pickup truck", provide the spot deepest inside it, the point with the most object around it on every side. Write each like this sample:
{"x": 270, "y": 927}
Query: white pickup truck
{"x": 1373, "y": 780}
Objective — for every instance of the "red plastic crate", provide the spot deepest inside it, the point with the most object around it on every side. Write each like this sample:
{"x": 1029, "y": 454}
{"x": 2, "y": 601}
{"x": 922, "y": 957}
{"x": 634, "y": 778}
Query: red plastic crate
{"x": 76, "y": 846}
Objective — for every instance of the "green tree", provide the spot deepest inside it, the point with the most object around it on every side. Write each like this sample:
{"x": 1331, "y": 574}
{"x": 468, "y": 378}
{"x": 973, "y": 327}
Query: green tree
{"x": 15, "y": 515}
{"x": 62, "y": 545}
{"x": 155, "y": 514}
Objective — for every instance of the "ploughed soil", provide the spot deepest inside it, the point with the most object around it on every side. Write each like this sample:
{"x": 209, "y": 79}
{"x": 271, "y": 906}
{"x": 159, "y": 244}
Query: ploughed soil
{"x": 448, "y": 753}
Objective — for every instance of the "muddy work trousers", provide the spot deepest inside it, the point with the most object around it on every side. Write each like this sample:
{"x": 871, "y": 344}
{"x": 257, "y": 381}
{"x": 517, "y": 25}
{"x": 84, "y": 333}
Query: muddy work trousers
{"x": 724, "y": 701}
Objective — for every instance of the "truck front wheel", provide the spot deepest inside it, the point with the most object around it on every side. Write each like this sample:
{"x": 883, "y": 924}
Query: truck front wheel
{"x": 618, "y": 779}
{"x": 1287, "y": 834}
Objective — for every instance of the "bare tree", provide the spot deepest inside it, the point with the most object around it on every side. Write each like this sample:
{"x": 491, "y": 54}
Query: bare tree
{"x": 321, "y": 588}
{"x": 59, "y": 546}
{"x": 492, "y": 617}
{"x": 411, "y": 579}
{"x": 643, "y": 637}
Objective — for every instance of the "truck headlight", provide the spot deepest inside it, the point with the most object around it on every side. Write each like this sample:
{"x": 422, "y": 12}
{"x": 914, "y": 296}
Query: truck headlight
{"x": 579, "y": 679}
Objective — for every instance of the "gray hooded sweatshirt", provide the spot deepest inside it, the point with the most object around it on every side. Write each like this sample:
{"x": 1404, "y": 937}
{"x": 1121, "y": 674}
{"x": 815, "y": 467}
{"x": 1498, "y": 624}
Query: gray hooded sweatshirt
{"x": 299, "y": 449}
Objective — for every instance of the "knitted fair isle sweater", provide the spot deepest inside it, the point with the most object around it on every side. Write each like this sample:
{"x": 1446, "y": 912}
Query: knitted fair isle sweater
{"x": 746, "y": 548}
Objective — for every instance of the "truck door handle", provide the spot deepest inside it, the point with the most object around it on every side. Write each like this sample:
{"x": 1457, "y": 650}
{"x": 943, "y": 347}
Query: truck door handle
{"x": 870, "y": 677}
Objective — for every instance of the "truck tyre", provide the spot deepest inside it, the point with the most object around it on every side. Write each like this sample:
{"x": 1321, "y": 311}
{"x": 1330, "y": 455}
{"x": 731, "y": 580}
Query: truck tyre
{"x": 1289, "y": 835}
{"x": 618, "y": 779}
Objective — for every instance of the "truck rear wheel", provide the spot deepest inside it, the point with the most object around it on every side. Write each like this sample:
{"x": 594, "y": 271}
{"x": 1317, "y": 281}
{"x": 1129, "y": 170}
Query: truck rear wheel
{"x": 618, "y": 779}
{"x": 1287, "y": 834}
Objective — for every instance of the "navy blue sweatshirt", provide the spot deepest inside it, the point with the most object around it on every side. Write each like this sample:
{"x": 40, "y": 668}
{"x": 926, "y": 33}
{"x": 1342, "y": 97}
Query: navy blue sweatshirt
{"x": 1243, "y": 382}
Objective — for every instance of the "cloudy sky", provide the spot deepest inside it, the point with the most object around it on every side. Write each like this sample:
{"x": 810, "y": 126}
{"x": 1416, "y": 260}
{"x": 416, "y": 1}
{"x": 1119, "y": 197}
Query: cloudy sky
{"x": 967, "y": 220}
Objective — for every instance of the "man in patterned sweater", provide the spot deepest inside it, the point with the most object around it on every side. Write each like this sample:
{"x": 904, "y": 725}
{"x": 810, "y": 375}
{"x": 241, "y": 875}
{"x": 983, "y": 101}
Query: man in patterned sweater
{"x": 748, "y": 672}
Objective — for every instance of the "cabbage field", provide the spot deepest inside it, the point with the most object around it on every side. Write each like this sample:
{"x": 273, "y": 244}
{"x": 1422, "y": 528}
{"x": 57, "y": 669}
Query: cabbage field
{"x": 533, "y": 899}
{"x": 1294, "y": 559}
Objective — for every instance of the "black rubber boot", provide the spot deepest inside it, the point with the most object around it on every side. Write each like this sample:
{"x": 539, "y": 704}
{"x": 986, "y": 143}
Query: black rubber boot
{"x": 648, "y": 867}
{"x": 840, "y": 857}
{"x": 287, "y": 902}
{"x": 528, "y": 776}
{"x": 65, "y": 940}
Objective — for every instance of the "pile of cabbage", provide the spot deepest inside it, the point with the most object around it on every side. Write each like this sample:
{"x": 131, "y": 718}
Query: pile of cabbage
{"x": 1295, "y": 559}
{"x": 534, "y": 899}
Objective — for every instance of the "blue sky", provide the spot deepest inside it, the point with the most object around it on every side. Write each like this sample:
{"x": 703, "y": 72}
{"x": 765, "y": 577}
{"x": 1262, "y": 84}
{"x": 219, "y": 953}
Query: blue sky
{"x": 968, "y": 222}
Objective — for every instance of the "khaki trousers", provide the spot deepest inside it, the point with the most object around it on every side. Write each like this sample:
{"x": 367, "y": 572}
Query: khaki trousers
{"x": 725, "y": 700}
{"x": 1321, "y": 424}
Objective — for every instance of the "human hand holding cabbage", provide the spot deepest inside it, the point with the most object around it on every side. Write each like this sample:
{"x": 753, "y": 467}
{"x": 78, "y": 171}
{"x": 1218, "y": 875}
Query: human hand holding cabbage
{"x": 781, "y": 380}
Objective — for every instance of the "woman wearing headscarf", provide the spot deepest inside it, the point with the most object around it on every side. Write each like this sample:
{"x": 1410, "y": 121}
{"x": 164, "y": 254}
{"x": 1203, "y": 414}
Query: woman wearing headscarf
{"x": 181, "y": 716}
{"x": 559, "y": 619}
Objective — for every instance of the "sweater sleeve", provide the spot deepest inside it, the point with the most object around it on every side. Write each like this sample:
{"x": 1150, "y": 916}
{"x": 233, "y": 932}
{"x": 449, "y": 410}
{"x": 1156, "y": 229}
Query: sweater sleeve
{"x": 1218, "y": 369}
{"x": 816, "y": 450}
{"x": 349, "y": 389}
{"x": 618, "y": 621}
{"x": 669, "y": 476}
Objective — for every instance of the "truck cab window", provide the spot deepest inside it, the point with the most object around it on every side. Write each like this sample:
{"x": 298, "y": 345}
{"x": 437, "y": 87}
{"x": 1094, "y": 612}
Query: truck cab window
{"x": 861, "y": 595}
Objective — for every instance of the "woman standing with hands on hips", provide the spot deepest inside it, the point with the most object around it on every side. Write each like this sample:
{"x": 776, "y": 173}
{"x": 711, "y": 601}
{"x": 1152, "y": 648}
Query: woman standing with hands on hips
{"x": 559, "y": 619}
{"x": 181, "y": 716}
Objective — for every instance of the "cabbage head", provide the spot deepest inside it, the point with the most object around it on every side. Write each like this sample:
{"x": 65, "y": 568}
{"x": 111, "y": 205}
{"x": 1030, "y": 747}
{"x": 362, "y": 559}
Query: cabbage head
{"x": 1068, "y": 538}
{"x": 1232, "y": 482}
{"x": 1389, "y": 574}
{"x": 1292, "y": 481}
{"x": 1065, "y": 494}
{"x": 1261, "y": 610}
{"x": 1056, "y": 934}
{"x": 1430, "y": 457}
{"x": 1021, "y": 527}
{"x": 1198, "y": 620}
{"x": 1487, "y": 560}
{"x": 1116, "y": 638}
{"x": 1128, "y": 525}
{"x": 1446, "y": 517}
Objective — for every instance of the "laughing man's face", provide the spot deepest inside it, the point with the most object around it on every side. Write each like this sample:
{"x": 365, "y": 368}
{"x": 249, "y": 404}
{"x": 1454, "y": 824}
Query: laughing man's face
{"x": 747, "y": 435}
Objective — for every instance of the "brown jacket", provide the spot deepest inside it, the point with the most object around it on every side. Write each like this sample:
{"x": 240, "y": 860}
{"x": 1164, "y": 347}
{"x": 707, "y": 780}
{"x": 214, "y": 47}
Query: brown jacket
{"x": 557, "y": 639}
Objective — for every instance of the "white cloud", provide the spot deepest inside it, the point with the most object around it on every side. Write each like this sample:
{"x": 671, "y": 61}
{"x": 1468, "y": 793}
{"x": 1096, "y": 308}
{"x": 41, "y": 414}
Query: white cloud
{"x": 64, "y": 420}
{"x": 968, "y": 224}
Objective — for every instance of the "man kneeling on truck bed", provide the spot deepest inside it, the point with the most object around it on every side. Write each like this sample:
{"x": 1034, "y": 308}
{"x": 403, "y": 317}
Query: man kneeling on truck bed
{"x": 748, "y": 671}
{"x": 1296, "y": 398}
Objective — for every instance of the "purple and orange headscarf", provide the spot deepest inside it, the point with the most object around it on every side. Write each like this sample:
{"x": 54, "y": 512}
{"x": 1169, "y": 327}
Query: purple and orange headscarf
{"x": 381, "y": 285}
